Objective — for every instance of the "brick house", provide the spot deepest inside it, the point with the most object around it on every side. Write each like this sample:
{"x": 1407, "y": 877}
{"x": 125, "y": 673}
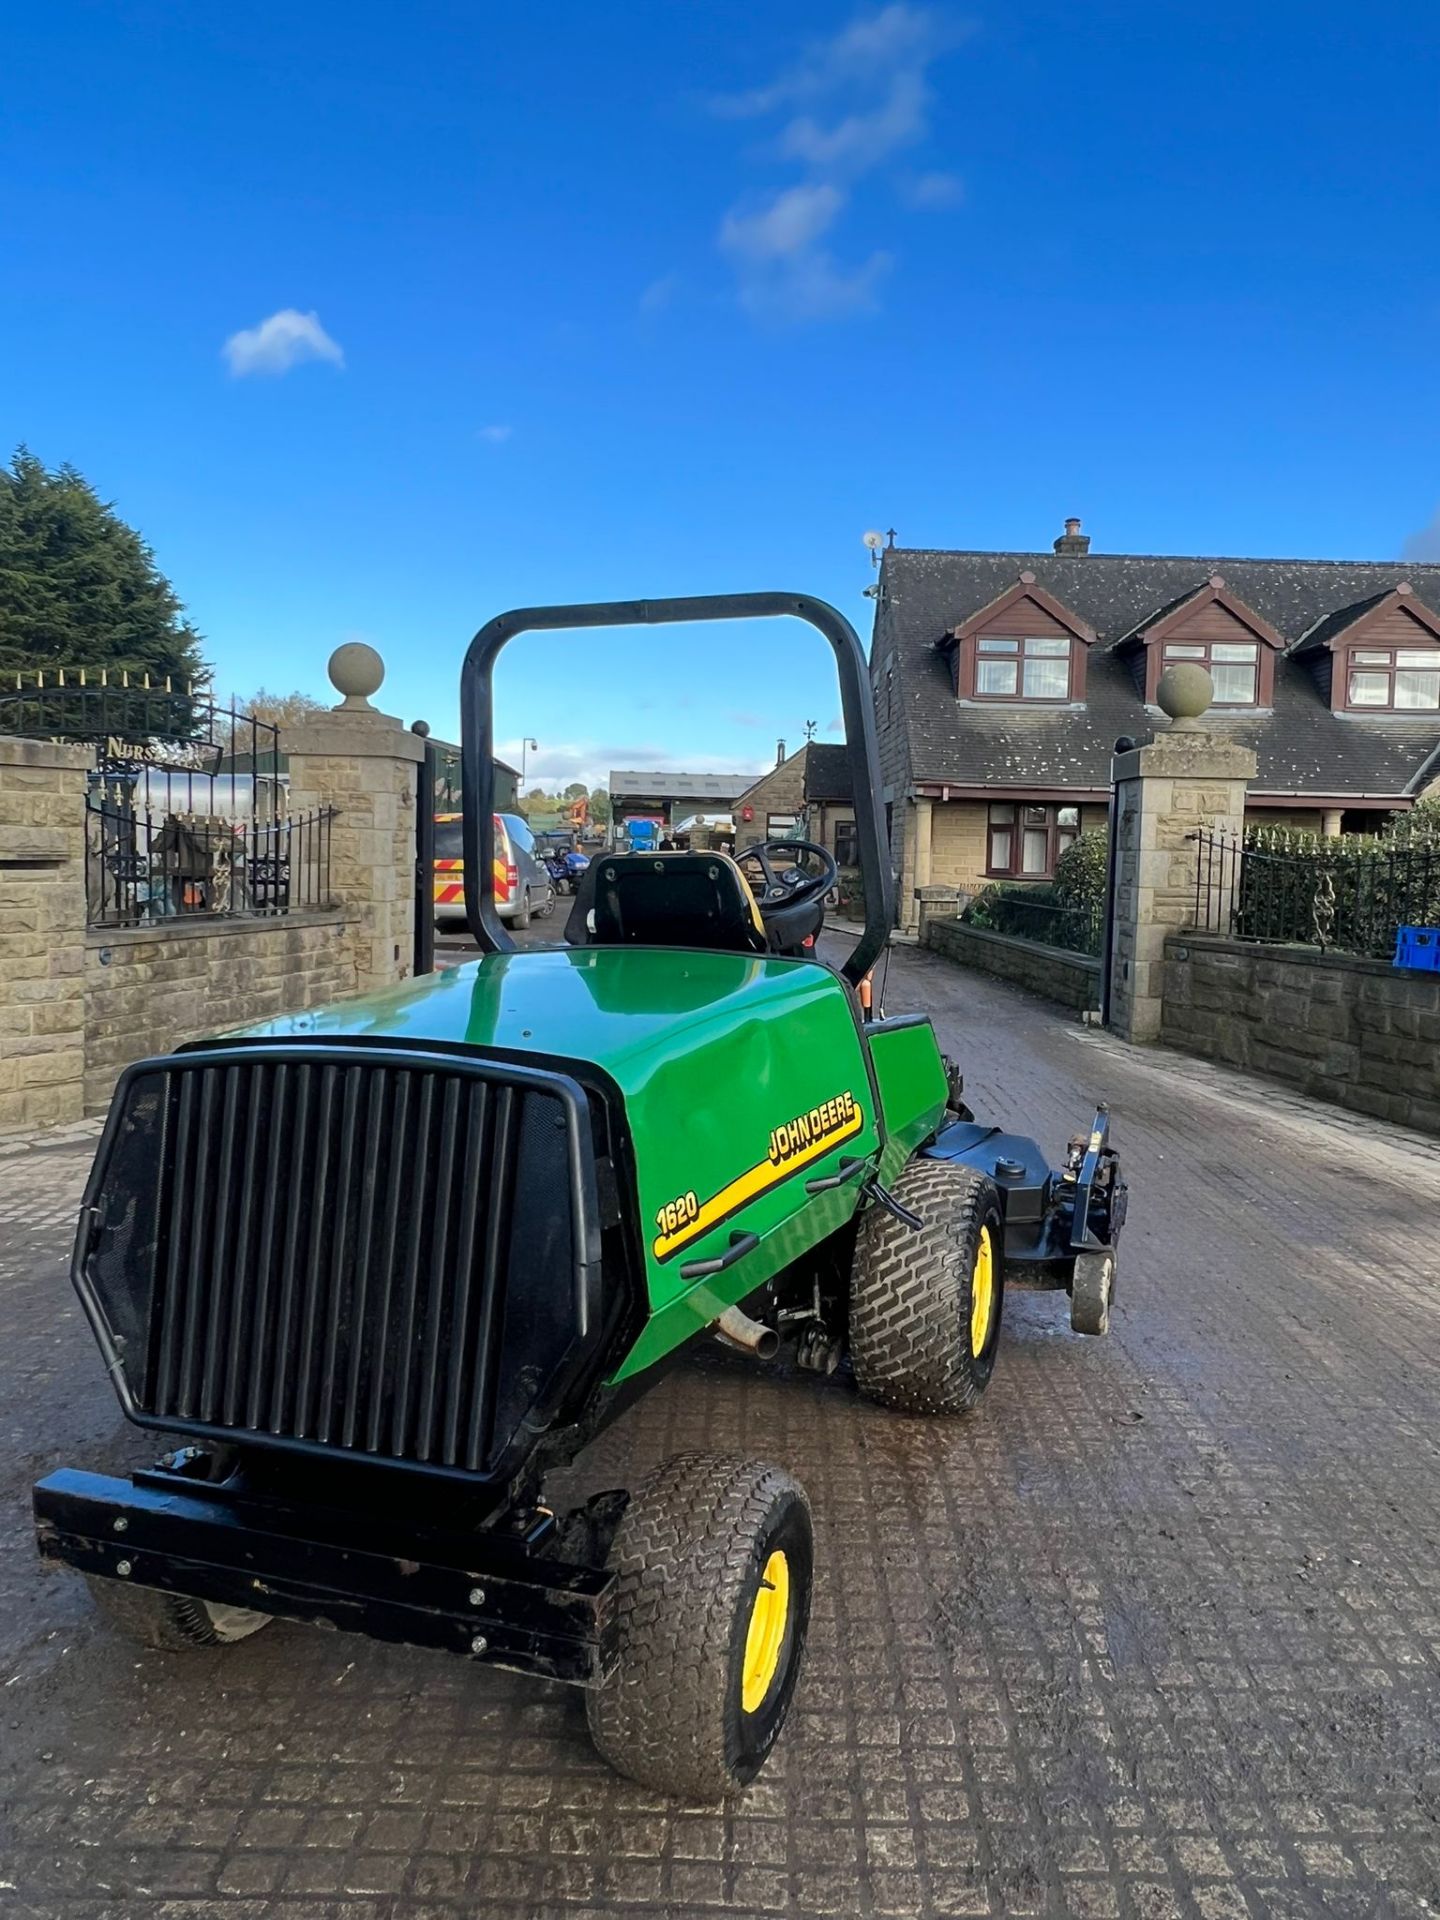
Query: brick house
{"x": 1003, "y": 680}
{"x": 806, "y": 794}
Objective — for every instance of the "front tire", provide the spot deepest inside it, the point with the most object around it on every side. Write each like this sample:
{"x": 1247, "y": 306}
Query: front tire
{"x": 925, "y": 1304}
{"x": 172, "y": 1622}
{"x": 547, "y": 904}
{"x": 715, "y": 1562}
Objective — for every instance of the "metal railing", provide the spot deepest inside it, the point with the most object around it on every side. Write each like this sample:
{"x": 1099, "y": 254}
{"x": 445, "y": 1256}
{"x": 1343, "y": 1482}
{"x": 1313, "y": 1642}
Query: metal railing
{"x": 185, "y": 813}
{"x": 144, "y": 867}
{"x": 1028, "y": 914}
{"x": 1350, "y": 894}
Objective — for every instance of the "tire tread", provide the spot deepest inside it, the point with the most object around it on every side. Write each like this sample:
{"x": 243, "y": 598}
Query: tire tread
{"x": 683, "y": 1552}
{"x": 910, "y": 1293}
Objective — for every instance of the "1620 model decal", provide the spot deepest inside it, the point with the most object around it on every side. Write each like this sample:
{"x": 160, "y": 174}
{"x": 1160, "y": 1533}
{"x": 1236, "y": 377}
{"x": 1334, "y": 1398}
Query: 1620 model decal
{"x": 794, "y": 1144}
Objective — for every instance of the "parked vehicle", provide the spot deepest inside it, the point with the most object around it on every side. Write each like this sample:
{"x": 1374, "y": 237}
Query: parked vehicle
{"x": 522, "y": 881}
{"x": 387, "y": 1267}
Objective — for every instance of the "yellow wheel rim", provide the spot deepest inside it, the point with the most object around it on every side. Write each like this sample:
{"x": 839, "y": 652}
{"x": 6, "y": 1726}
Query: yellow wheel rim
{"x": 982, "y": 1293}
{"x": 766, "y": 1636}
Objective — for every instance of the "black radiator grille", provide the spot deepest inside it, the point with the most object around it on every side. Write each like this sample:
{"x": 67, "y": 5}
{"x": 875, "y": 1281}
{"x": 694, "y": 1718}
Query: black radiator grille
{"x": 331, "y": 1247}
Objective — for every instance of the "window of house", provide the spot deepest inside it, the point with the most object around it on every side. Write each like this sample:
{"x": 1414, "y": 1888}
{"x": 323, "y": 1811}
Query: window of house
{"x": 1037, "y": 668}
{"x": 781, "y": 826}
{"x": 847, "y": 846}
{"x": 1233, "y": 666}
{"x": 1404, "y": 679}
{"x": 1024, "y": 842}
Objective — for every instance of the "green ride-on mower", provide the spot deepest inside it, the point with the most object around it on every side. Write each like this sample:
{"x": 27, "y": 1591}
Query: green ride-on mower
{"x": 380, "y": 1270}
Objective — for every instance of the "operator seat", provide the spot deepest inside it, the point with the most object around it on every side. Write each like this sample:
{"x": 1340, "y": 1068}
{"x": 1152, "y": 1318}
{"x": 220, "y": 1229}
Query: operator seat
{"x": 666, "y": 900}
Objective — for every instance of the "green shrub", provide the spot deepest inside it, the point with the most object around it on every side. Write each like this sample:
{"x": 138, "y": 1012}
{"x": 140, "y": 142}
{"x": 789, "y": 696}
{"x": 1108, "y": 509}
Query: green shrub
{"x": 1418, "y": 828}
{"x": 1080, "y": 871}
{"x": 1034, "y": 910}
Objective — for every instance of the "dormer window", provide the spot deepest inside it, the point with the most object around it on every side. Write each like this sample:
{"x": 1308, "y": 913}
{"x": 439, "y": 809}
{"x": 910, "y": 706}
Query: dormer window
{"x": 1210, "y": 627}
{"x": 1379, "y": 655}
{"x": 1023, "y": 646}
{"x": 1402, "y": 679}
{"x": 1028, "y": 667}
{"x": 1233, "y": 666}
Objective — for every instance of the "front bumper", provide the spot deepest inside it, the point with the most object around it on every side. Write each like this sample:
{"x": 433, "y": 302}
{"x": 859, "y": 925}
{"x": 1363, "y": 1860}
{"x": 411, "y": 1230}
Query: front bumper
{"x": 488, "y": 1597}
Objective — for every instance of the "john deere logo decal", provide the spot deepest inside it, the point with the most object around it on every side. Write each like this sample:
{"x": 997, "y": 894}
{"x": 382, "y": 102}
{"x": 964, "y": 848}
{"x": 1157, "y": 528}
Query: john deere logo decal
{"x": 794, "y": 1144}
{"x": 836, "y": 1120}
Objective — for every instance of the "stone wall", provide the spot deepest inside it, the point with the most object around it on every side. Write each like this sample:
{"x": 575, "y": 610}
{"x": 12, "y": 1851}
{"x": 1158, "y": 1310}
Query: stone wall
{"x": 42, "y": 925}
{"x": 76, "y": 1005}
{"x": 1072, "y": 979}
{"x": 364, "y": 764}
{"x": 149, "y": 989}
{"x": 1185, "y": 782}
{"x": 1358, "y": 1032}
{"x": 781, "y": 792}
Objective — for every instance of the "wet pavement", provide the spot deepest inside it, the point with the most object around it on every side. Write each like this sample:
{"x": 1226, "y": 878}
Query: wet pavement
{"x": 1156, "y": 1632}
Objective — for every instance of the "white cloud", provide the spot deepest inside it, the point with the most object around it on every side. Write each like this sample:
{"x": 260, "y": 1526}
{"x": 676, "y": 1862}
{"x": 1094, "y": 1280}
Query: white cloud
{"x": 791, "y": 223}
{"x": 932, "y": 192}
{"x": 279, "y": 343}
{"x": 860, "y": 141}
{"x": 660, "y": 293}
{"x": 1425, "y": 544}
{"x": 812, "y": 285}
{"x": 897, "y": 35}
{"x": 851, "y": 103}
{"x": 781, "y": 271}
{"x": 593, "y": 761}
{"x": 494, "y": 434}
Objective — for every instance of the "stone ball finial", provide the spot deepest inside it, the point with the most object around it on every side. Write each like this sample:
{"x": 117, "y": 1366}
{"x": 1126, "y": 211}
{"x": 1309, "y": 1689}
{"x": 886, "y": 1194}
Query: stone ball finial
{"x": 356, "y": 671}
{"x": 1184, "y": 692}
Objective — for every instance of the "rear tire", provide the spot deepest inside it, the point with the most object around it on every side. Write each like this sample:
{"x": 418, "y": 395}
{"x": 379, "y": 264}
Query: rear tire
{"x": 172, "y": 1621}
{"x": 522, "y": 912}
{"x": 925, "y": 1305}
{"x": 715, "y": 1562}
{"x": 1091, "y": 1290}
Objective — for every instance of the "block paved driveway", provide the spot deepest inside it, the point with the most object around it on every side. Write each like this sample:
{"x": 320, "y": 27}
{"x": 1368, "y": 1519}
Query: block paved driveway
{"x": 1155, "y": 1633}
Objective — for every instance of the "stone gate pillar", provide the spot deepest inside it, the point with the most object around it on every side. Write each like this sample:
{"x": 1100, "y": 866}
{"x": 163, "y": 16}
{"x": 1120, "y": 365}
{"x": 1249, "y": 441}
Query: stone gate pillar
{"x": 42, "y": 932}
{"x": 365, "y": 764}
{"x": 1187, "y": 780}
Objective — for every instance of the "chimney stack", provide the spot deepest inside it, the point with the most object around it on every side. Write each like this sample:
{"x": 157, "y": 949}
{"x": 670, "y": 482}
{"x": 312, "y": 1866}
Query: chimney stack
{"x": 779, "y": 753}
{"x": 1072, "y": 540}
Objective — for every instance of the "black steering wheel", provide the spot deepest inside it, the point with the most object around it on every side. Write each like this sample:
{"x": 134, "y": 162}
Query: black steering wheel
{"x": 793, "y": 887}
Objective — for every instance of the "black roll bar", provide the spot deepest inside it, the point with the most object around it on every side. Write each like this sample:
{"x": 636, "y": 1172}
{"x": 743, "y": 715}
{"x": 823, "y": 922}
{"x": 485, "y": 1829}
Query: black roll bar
{"x": 477, "y": 740}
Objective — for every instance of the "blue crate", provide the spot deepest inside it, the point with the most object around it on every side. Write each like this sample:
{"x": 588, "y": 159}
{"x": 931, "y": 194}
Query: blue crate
{"x": 1418, "y": 948}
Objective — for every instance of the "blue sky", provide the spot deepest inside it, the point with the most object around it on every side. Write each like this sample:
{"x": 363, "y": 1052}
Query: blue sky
{"x": 571, "y": 303}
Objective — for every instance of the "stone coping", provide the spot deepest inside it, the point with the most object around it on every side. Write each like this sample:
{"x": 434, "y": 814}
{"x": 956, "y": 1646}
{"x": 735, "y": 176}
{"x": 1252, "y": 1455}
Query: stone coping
{"x": 1014, "y": 942}
{"x": 1296, "y": 956}
{"x": 198, "y": 926}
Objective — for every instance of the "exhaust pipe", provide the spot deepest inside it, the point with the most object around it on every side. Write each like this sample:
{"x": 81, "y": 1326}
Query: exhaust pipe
{"x": 737, "y": 1329}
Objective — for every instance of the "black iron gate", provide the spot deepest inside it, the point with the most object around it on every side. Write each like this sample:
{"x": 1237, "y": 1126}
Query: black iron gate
{"x": 424, "y": 958}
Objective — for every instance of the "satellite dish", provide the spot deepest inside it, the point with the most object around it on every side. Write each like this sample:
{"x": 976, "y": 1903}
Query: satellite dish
{"x": 874, "y": 541}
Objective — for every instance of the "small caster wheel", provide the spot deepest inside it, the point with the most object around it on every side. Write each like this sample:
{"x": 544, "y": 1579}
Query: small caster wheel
{"x": 172, "y": 1621}
{"x": 1091, "y": 1291}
